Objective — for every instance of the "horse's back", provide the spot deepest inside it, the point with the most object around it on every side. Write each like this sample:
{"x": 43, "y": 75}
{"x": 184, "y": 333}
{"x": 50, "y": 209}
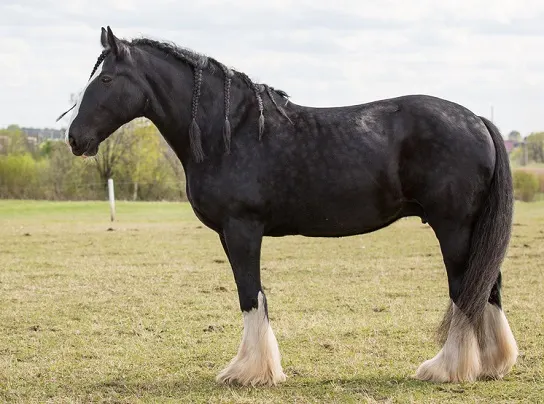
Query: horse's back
{"x": 359, "y": 168}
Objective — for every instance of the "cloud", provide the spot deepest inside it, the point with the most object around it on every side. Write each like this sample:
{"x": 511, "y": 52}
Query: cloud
{"x": 478, "y": 54}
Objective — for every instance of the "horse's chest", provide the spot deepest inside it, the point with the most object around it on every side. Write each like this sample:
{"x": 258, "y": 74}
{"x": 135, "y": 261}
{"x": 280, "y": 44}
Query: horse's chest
{"x": 212, "y": 200}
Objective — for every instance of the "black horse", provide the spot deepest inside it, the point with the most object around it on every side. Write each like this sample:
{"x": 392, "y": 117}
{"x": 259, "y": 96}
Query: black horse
{"x": 257, "y": 165}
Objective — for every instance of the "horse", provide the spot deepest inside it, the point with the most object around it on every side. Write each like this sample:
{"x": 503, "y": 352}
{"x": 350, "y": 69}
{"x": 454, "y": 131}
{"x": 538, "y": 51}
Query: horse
{"x": 257, "y": 165}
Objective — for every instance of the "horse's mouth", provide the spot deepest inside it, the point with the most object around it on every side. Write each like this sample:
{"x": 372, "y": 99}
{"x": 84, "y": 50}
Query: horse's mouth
{"x": 90, "y": 150}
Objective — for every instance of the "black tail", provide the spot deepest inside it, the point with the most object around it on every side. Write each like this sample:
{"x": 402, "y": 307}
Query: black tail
{"x": 490, "y": 236}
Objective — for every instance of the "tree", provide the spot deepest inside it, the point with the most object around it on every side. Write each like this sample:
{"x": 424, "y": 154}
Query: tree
{"x": 175, "y": 164}
{"x": 15, "y": 140}
{"x": 514, "y": 136}
{"x": 155, "y": 170}
{"x": 60, "y": 176}
{"x": 141, "y": 163}
{"x": 136, "y": 156}
{"x": 535, "y": 147}
{"x": 113, "y": 153}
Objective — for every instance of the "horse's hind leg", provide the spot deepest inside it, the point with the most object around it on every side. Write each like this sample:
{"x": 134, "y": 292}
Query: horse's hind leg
{"x": 472, "y": 349}
{"x": 258, "y": 360}
{"x": 459, "y": 358}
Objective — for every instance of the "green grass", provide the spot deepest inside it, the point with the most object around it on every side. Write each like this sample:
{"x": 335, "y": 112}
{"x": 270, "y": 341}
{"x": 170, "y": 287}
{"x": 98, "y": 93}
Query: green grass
{"x": 148, "y": 311}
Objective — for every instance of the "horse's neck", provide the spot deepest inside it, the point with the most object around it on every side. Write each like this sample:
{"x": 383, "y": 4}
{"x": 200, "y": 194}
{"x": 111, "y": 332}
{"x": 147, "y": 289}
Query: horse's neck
{"x": 171, "y": 107}
{"x": 169, "y": 98}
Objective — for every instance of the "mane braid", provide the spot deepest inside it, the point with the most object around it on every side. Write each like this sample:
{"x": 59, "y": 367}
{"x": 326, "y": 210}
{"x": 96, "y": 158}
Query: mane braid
{"x": 194, "y": 131}
{"x": 99, "y": 61}
{"x": 280, "y": 109}
{"x": 226, "y": 128}
{"x": 257, "y": 88}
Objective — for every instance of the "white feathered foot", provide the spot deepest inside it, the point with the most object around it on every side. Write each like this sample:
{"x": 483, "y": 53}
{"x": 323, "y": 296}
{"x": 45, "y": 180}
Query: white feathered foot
{"x": 464, "y": 359}
{"x": 258, "y": 361}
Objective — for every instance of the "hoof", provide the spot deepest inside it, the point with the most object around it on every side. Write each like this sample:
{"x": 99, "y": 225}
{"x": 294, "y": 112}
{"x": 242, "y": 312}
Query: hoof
{"x": 240, "y": 373}
{"x": 459, "y": 359}
{"x": 500, "y": 350}
{"x": 258, "y": 361}
{"x": 438, "y": 370}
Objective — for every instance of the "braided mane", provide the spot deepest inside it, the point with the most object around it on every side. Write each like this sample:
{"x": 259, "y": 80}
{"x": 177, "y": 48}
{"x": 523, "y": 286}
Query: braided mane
{"x": 199, "y": 62}
{"x": 99, "y": 61}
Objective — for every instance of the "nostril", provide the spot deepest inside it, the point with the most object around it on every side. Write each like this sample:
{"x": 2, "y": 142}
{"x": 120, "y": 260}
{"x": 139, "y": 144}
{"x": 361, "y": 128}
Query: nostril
{"x": 71, "y": 141}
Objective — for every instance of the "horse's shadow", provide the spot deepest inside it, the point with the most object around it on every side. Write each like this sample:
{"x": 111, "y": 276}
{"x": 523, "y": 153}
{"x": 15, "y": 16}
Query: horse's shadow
{"x": 375, "y": 387}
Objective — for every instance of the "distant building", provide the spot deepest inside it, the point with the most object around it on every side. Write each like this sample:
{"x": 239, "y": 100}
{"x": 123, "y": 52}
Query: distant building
{"x": 39, "y": 135}
{"x": 510, "y": 145}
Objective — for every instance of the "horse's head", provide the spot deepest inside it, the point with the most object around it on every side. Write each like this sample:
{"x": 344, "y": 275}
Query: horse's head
{"x": 113, "y": 96}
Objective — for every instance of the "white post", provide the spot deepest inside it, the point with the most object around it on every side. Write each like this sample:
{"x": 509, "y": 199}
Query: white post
{"x": 112, "y": 199}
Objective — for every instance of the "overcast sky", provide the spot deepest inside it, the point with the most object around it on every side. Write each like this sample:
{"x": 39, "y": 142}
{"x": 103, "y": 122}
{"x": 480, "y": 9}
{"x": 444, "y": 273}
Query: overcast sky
{"x": 479, "y": 53}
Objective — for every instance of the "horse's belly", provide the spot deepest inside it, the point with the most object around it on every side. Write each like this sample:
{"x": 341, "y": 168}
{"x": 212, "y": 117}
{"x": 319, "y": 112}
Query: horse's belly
{"x": 335, "y": 217}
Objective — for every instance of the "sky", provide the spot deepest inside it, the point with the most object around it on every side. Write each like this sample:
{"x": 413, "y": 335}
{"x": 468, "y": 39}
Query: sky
{"x": 484, "y": 54}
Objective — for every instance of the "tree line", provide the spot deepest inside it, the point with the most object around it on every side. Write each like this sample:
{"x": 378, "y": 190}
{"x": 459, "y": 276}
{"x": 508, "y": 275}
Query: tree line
{"x": 144, "y": 167}
{"x": 136, "y": 156}
{"x": 528, "y": 150}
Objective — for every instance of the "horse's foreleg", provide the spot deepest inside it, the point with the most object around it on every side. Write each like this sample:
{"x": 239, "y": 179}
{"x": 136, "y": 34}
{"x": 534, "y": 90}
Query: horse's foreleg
{"x": 258, "y": 359}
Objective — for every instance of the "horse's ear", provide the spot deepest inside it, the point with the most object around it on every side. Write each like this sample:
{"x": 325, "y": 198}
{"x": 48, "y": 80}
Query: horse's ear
{"x": 104, "y": 38}
{"x": 116, "y": 46}
{"x": 113, "y": 42}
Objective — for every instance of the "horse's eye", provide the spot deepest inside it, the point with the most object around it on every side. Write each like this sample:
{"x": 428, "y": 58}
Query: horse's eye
{"x": 105, "y": 79}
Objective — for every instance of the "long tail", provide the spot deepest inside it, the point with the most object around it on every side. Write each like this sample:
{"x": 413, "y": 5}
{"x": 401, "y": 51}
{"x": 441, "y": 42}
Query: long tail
{"x": 490, "y": 237}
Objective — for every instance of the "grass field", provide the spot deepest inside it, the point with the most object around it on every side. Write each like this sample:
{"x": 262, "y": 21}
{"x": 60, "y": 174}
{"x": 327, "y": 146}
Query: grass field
{"x": 146, "y": 310}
